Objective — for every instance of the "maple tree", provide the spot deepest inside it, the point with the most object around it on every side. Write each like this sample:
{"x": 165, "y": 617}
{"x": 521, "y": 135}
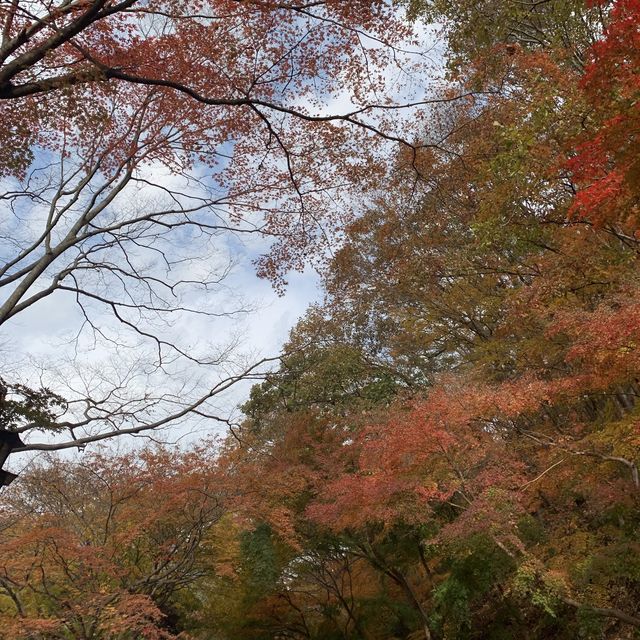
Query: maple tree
{"x": 142, "y": 140}
{"x": 505, "y": 445}
{"x": 251, "y": 77}
{"x": 101, "y": 548}
{"x": 605, "y": 166}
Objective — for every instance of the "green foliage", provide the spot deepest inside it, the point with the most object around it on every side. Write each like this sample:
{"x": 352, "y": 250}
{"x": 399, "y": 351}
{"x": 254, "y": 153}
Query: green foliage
{"x": 590, "y": 626}
{"x": 451, "y": 598}
{"x": 530, "y": 530}
{"x": 21, "y": 405}
{"x": 475, "y": 27}
{"x": 541, "y": 588}
{"x": 258, "y": 562}
{"x": 331, "y": 378}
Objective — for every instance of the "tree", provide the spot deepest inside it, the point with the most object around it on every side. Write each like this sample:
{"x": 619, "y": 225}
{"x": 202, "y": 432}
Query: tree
{"x": 238, "y": 73}
{"x": 492, "y": 483}
{"x": 474, "y": 29}
{"x": 605, "y": 165}
{"x": 142, "y": 140}
{"x": 449, "y": 445}
{"x": 103, "y": 548}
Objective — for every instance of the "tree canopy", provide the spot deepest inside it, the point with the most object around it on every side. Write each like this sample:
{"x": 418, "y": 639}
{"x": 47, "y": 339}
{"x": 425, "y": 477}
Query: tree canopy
{"x": 142, "y": 142}
{"x": 448, "y": 447}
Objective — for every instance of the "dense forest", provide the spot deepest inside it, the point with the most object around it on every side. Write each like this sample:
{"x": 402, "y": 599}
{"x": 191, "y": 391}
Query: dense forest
{"x": 448, "y": 447}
